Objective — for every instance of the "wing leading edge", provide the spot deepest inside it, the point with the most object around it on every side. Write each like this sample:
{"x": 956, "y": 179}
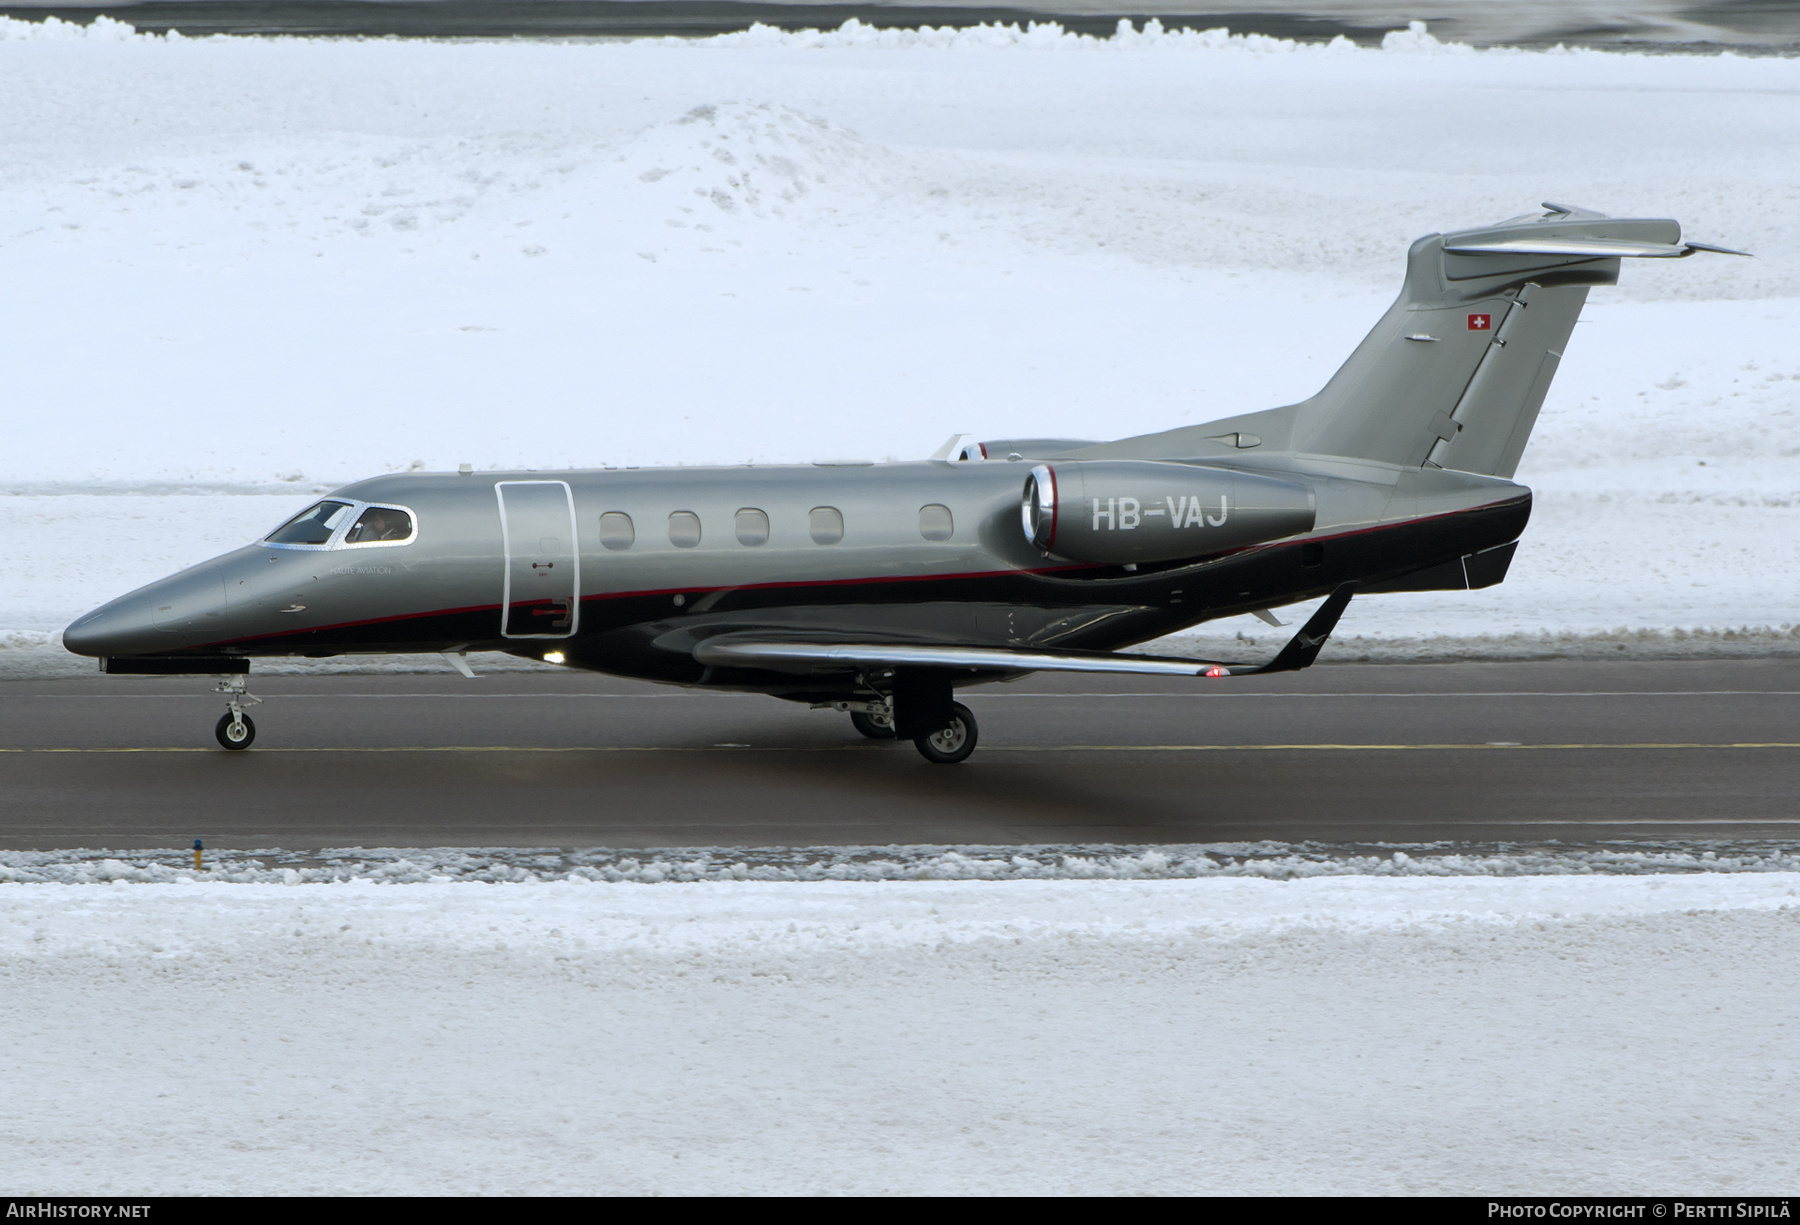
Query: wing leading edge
{"x": 803, "y": 655}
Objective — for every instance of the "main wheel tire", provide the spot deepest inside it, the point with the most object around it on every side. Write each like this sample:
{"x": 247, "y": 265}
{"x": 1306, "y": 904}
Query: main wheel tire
{"x": 875, "y": 727}
{"x": 954, "y": 743}
{"x": 224, "y": 732}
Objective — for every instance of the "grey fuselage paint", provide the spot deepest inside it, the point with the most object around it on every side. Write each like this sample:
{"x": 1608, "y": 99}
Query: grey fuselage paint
{"x": 643, "y": 607}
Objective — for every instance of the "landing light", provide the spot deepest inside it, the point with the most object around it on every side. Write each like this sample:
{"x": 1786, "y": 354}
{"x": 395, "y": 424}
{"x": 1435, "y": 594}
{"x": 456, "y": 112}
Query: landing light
{"x": 553, "y": 657}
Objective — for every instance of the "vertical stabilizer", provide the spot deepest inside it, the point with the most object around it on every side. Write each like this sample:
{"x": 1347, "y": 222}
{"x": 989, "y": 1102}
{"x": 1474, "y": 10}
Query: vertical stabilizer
{"x": 1454, "y": 373}
{"x": 1436, "y": 373}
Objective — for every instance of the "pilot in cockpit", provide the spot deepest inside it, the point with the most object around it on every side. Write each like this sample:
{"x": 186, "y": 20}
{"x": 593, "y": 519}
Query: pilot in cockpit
{"x": 379, "y": 523}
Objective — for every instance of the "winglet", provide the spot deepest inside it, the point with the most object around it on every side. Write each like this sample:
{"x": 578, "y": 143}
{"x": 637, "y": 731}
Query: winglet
{"x": 1305, "y": 646}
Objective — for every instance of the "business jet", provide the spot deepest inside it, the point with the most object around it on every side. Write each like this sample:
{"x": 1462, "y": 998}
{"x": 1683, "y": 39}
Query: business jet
{"x": 878, "y": 590}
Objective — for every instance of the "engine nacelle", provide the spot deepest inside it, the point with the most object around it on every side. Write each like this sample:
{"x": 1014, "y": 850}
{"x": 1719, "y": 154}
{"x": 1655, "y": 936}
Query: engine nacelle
{"x": 1123, "y": 511}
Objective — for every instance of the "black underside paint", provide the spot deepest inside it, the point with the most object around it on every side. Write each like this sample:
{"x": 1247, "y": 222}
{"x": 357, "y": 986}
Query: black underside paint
{"x": 175, "y": 665}
{"x": 618, "y": 633}
{"x": 1467, "y": 573}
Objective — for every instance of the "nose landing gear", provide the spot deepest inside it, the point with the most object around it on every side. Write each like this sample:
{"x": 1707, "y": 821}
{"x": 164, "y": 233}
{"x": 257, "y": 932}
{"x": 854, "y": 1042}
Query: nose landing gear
{"x": 234, "y": 729}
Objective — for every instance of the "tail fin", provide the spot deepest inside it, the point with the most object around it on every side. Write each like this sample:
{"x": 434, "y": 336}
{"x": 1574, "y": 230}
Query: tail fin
{"x": 1455, "y": 372}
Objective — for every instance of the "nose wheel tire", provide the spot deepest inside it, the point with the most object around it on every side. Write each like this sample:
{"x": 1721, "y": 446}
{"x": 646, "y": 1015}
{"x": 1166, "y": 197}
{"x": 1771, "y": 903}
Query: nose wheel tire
{"x": 875, "y": 727}
{"x": 235, "y": 734}
{"x": 954, "y": 743}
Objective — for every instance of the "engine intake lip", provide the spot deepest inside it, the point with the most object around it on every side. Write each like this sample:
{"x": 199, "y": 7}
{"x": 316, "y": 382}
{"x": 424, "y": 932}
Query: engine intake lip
{"x": 1037, "y": 508}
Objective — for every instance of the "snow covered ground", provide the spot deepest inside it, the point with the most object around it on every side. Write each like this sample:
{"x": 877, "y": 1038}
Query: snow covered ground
{"x": 242, "y": 270}
{"x": 1573, "y": 1035}
{"x": 1279, "y": 861}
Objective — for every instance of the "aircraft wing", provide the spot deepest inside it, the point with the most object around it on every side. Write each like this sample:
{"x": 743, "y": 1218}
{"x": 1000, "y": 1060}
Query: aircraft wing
{"x": 799, "y": 655}
{"x": 811, "y": 654}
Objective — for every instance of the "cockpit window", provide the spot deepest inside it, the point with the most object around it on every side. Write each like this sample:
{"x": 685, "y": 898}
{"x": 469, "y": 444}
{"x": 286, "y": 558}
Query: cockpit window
{"x": 380, "y": 523}
{"x": 311, "y": 526}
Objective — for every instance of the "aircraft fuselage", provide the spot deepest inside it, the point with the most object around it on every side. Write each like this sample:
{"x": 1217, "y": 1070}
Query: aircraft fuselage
{"x": 624, "y": 571}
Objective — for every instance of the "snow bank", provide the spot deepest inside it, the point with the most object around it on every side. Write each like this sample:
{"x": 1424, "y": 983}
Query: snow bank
{"x": 726, "y": 918}
{"x": 855, "y": 34}
{"x": 537, "y": 865}
{"x": 101, "y": 29}
{"x": 1051, "y": 36}
{"x": 1591, "y": 1035}
{"x": 764, "y": 160}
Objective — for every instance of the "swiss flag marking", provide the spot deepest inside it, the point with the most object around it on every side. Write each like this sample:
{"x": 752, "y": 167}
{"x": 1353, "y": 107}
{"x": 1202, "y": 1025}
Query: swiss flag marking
{"x": 1480, "y": 323}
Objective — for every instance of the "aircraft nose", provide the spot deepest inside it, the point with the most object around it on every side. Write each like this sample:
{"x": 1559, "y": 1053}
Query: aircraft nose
{"x": 180, "y": 611}
{"x": 119, "y": 628}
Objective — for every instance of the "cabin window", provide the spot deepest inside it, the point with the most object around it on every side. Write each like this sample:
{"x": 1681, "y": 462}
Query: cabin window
{"x": 684, "y": 529}
{"x": 935, "y": 522}
{"x": 379, "y": 525}
{"x": 752, "y": 527}
{"x": 314, "y": 525}
{"x": 616, "y": 531}
{"x": 826, "y": 523}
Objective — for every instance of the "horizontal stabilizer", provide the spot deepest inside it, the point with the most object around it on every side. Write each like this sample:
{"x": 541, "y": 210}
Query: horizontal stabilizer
{"x": 1715, "y": 249}
{"x": 1608, "y": 247}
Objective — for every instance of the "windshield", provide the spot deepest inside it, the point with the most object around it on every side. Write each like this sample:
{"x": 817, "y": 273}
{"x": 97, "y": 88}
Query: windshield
{"x": 311, "y": 526}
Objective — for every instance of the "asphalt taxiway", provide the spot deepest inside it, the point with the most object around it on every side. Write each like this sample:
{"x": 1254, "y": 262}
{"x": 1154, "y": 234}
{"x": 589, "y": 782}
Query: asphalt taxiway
{"x": 1504, "y": 753}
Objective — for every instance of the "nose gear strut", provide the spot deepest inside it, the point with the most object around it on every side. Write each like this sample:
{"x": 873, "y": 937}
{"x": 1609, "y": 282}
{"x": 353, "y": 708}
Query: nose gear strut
{"x": 235, "y": 730}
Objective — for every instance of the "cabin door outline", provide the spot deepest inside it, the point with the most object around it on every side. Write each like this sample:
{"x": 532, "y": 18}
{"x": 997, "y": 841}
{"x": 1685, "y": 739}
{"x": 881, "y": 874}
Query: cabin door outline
{"x": 540, "y": 589}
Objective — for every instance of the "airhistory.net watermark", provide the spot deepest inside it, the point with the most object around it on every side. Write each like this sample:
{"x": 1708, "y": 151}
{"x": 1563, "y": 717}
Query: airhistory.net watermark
{"x": 51, "y": 1210}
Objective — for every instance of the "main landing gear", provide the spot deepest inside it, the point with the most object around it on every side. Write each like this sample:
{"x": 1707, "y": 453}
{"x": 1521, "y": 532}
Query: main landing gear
{"x": 952, "y": 744}
{"x": 234, "y": 729}
{"x": 945, "y": 747}
{"x": 876, "y": 725}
